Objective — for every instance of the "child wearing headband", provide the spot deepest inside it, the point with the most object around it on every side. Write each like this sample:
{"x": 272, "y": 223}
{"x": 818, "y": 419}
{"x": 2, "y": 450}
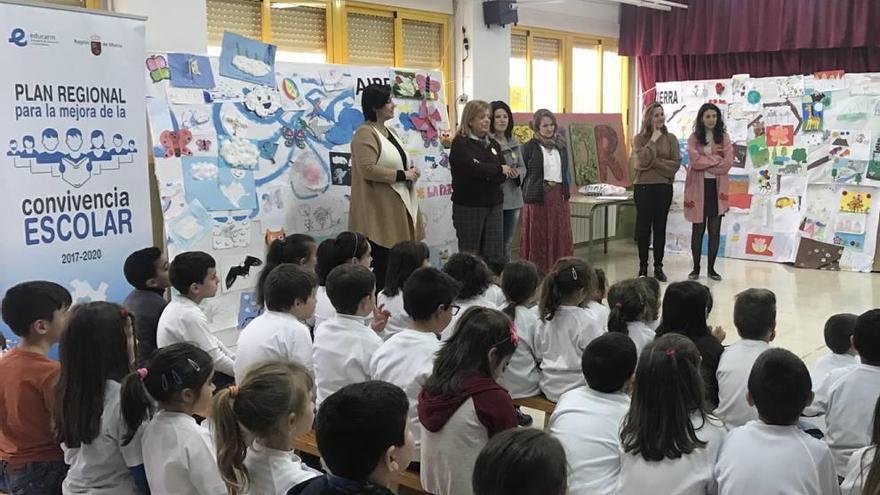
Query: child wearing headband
{"x": 347, "y": 247}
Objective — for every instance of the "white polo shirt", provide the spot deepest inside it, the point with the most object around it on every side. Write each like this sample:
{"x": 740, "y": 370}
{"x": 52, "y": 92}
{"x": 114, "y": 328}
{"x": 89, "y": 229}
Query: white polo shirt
{"x": 273, "y": 336}
{"x": 399, "y": 319}
{"x": 183, "y": 321}
{"x": 274, "y": 472}
{"x": 559, "y": 345}
{"x": 522, "y": 377}
{"x": 733, "y": 381}
{"x": 342, "y": 351}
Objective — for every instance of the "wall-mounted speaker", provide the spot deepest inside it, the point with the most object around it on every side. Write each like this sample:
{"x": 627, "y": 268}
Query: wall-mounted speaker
{"x": 500, "y": 12}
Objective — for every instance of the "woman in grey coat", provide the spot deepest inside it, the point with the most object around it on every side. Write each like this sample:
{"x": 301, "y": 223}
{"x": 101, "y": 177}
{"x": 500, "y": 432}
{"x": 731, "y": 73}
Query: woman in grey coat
{"x": 502, "y": 130}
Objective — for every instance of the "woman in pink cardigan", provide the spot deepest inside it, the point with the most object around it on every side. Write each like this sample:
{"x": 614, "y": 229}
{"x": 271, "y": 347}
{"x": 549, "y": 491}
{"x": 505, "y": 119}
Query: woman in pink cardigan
{"x": 710, "y": 156}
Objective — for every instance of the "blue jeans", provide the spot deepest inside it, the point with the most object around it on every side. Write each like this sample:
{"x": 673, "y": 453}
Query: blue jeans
{"x": 34, "y": 478}
{"x": 511, "y": 220}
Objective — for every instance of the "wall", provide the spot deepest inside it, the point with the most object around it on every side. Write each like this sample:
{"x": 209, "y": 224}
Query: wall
{"x": 172, "y": 25}
{"x": 483, "y": 72}
{"x": 575, "y": 16}
{"x": 439, "y": 6}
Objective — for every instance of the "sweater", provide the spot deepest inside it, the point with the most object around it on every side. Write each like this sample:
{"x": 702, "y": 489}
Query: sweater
{"x": 656, "y": 162}
{"x": 146, "y": 305}
{"x": 476, "y": 172}
{"x": 533, "y": 184}
{"x": 512, "y": 187}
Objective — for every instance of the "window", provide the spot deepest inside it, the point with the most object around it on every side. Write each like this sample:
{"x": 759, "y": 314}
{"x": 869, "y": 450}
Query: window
{"x": 422, "y": 44}
{"x": 519, "y": 74}
{"x": 546, "y": 72}
{"x": 239, "y": 16}
{"x": 585, "y": 81}
{"x": 300, "y": 32}
{"x": 370, "y": 39}
{"x": 612, "y": 77}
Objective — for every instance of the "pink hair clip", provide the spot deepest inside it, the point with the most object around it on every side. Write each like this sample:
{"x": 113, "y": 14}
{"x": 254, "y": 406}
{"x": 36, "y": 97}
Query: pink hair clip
{"x": 618, "y": 305}
{"x": 670, "y": 352}
{"x": 142, "y": 372}
{"x": 514, "y": 338}
{"x": 123, "y": 312}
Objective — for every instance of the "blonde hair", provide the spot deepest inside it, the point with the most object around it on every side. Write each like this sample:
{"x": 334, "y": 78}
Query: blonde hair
{"x": 267, "y": 396}
{"x": 473, "y": 109}
{"x": 647, "y": 125}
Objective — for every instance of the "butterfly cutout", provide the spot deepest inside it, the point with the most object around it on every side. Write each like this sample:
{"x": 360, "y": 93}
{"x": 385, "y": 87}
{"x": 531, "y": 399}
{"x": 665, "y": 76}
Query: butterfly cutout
{"x": 425, "y": 122}
{"x": 203, "y": 144}
{"x": 294, "y": 136}
{"x": 175, "y": 143}
{"x": 158, "y": 67}
{"x": 430, "y": 88}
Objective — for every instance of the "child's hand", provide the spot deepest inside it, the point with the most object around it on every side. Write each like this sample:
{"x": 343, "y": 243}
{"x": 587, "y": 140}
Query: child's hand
{"x": 380, "y": 319}
{"x": 719, "y": 334}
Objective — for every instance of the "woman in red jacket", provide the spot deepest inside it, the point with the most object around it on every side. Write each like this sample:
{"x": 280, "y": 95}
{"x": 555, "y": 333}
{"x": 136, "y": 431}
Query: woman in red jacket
{"x": 710, "y": 156}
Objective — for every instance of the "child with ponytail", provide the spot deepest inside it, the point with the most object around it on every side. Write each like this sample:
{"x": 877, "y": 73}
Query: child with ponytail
{"x": 299, "y": 249}
{"x": 178, "y": 453}
{"x": 519, "y": 281}
{"x": 97, "y": 352}
{"x": 566, "y": 326}
{"x": 403, "y": 259}
{"x": 629, "y": 311}
{"x": 273, "y": 405}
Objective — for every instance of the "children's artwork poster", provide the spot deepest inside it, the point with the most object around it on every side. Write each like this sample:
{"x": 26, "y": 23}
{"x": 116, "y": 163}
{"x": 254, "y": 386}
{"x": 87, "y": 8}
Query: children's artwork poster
{"x": 74, "y": 178}
{"x": 806, "y": 166}
{"x": 269, "y": 155}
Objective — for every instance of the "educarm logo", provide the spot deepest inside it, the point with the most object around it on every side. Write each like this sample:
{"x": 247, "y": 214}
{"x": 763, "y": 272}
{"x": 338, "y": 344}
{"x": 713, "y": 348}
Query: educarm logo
{"x": 18, "y": 37}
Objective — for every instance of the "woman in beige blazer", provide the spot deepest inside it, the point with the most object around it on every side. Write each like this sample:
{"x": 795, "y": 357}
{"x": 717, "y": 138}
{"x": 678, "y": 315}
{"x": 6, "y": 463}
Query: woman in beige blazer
{"x": 384, "y": 205}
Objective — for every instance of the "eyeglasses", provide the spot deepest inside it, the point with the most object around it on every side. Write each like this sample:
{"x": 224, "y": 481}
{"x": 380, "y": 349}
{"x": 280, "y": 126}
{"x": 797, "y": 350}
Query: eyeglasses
{"x": 452, "y": 307}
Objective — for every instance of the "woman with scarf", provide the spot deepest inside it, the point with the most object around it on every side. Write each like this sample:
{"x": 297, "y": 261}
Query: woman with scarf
{"x": 478, "y": 170}
{"x": 546, "y": 215}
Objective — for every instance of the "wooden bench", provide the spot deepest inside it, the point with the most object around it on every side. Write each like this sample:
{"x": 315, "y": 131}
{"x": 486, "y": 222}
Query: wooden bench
{"x": 308, "y": 443}
{"x": 540, "y": 403}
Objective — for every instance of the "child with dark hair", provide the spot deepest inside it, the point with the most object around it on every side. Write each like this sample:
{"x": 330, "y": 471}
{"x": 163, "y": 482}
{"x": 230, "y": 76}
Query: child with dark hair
{"x": 508, "y": 463}
{"x": 629, "y": 310}
{"x": 838, "y": 334}
{"x": 494, "y": 293}
{"x": 255, "y": 425}
{"x": 97, "y": 352}
{"x": 194, "y": 275}
{"x": 344, "y": 344}
{"x": 147, "y": 271}
{"x": 364, "y": 438}
{"x": 669, "y": 440}
{"x": 403, "y": 259}
{"x": 652, "y": 290}
{"x": 462, "y": 406}
{"x": 596, "y": 302}
{"x": 863, "y": 469}
{"x": 407, "y": 358}
{"x": 587, "y": 419}
{"x": 347, "y": 247}
{"x": 30, "y": 459}
{"x": 566, "y": 326}
{"x": 773, "y": 455}
{"x": 298, "y": 249}
{"x": 754, "y": 314}
{"x": 846, "y": 395}
{"x": 280, "y": 333}
{"x": 178, "y": 453}
{"x": 474, "y": 279}
{"x": 522, "y": 378}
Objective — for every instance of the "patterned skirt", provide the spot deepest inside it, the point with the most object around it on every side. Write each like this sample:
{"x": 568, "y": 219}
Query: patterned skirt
{"x": 546, "y": 230}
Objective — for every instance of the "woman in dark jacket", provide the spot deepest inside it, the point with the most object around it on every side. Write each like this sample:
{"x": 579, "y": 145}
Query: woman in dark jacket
{"x": 478, "y": 171}
{"x": 546, "y": 215}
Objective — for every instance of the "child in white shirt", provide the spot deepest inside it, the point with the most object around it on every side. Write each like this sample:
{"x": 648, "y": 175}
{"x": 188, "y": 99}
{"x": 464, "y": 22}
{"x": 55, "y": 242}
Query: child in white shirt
{"x": 838, "y": 334}
{"x": 669, "y": 442}
{"x": 97, "y": 351}
{"x": 279, "y": 334}
{"x": 519, "y": 281}
{"x": 255, "y": 425}
{"x": 194, "y": 275}
{"x": 595, "y": 303}
{"x": 407, "y": 358}
{"x": 347, "y": 247}
{"x": 863, "y": 470}
{"x": 654, "y": 302}
{"x": 403, "y": 259}
{"x": 754, "y": 315}
{"x": 179, "y": 456}
{"x": 629, "y": 307}
{"x": 587, "y": 419}
{"x": 495, "y": 293}
{"x": 847, "y": 395}
{"x": 474, "y": 277}
{"x": 344, "y": 344}
{"x": 508, "y": 463}
{"x": 773, "y": 455}
{"x": 566, "y": 326}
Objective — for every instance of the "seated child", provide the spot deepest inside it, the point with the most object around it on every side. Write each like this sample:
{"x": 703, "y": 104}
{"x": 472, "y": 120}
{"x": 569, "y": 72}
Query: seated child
{"x": 474, "y": 279}
{"x": 364, "y": 438}
{"x": 347, "y": 247}
{"x": 520, "y": 281}
{"x": 754, "y": 314}
{"x": 772, "y": 454}
{"x": 587, "y": 419}
{"x": 652, "y": 287}
{"x": 508, "y": 464}
{"x": 595, "y": 303}
{"x": 838, "y": 334}
{"x": 629, "y": 312}
{"x": 147, "y": 271}
{"x": 403, "y": 259}
{"x": 494, "y": 293}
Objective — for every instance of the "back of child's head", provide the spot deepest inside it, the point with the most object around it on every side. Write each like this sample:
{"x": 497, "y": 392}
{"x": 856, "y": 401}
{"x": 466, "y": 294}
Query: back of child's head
{"x": 478, "y": 332}
{"x": 686, "y": 306}
{"x": 754, "y": 313}
{"x": 839, "y": 331}
{"x": 344, "y": 248}
{"x": 96, "y": 346}
{"x": 172, "y": 370}
{"x": 287, "y": 284}
{"x": 629, "y": 302}
{"x": 608, "y": 362}
{"x": 495, "y": 264}
{"x": 260, "y": 407}
{"x": 780, "y": 386}
{"x": 471, "y": 272}
{"x": 521, "y": 461}
{"x": 140, "y": 266}
{"x": 668, "y": 388}
{"x": 426, "y": 290}
{"x": 866, "y": 337}
{"x": 295, "y": 248}
{"x": 189, "y": 268}
{"x": 357, "y": 425}
{"x": 601, "y": 286}
{"x": 568, "y": 277}
{"x": 652, "y": 290}
{"x": 28, "y": 302}
{"x": 519, "y": 281}
{"x": 403, "y": 259}
{"x": 348, "y": 285}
